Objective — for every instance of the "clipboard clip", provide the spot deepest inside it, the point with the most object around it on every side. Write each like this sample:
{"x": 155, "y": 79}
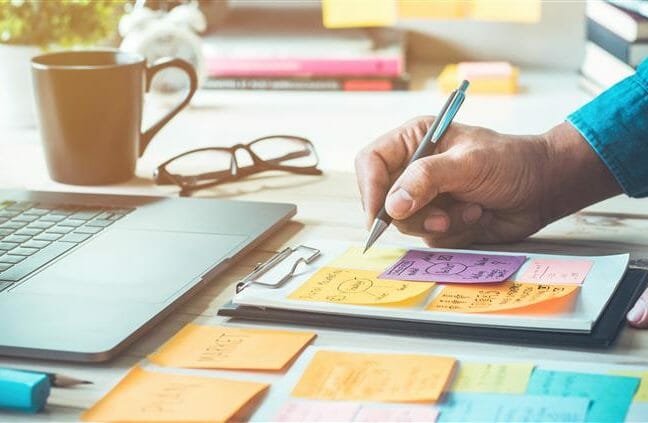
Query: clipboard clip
{"x": 279, "y": 268}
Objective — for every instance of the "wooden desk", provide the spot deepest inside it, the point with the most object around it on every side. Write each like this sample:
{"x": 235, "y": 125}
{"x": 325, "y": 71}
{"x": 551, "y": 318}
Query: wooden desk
{"x": 329, "y": 207}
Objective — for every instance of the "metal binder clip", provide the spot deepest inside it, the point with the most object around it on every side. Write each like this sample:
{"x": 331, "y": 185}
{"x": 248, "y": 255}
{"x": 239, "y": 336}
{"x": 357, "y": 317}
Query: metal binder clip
{"x": 280, "y": 268}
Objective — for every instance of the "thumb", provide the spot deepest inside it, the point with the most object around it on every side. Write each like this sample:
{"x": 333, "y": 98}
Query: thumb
{"x": 421, "y": 181}
{"x": 638, "y": 315}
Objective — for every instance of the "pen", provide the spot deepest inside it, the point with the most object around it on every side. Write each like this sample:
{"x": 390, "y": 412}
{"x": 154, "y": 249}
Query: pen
{"x": 425, "y": 148}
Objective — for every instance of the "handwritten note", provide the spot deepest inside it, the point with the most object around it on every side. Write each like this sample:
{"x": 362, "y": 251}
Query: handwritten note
{"x": 611, "y": 395}
{"x": 497, "y": 297}
{"x": 396, "y": 414}
{"x": 335, "y": 375}
{"x": 358, "y": 13}
{"x": 360, "y": 287}
{"x": 556, "y": 272}
{"x": 454, "y": 267}
{"x": 224, "y": 347}
{"x": 642, "y": 392}
{"x": 506, "y": 378}
{"x": 314, "y": 411}
{"x": 465, "y": 407}
{"x": 377, "y": 259}
{"x": 150, "y": 396}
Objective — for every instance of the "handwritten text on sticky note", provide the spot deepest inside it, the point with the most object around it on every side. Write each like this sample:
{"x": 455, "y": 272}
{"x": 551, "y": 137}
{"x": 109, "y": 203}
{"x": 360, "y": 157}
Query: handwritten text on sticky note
{"x": 556, "y": 272}
{"x": 225, "y": 347}
{"x": 335, "y": 375}
{"x": 454, "y": 267}
{"x": 150, "y": 396}
{"x": 317, "y": 411}
{"x": 502, "y": 378}
{"x": 496, "y": 297}
{"x": 361, "y": 287}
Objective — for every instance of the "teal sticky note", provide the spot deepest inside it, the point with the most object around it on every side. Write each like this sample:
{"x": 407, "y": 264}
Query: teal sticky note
{"x": 23, "y": 391}
{"x": 611, "y": 396}
{"x": 472, "y": 407}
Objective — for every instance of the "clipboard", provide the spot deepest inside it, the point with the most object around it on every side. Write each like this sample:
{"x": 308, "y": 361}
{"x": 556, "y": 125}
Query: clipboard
{"x": 603, "y": 333}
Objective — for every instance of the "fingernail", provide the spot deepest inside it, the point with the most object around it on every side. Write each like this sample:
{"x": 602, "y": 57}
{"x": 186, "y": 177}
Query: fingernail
{"x": 399, "y": 202}
{"x": 638, "y": 312}
{"x": 472, "y": 213}
{"x": 436, "y": 224}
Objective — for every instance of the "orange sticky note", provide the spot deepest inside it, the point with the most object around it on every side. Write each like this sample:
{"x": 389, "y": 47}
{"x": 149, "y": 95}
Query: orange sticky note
{"x": 349, "y": 376}
{"x": 432, "y": 9}
{"x": 486, "y": 298}
{"x": 144, "y": 396}
{"x": 224, "y": 347}
{"x": 556, "y": 272}
{"x": 360, "y": 287}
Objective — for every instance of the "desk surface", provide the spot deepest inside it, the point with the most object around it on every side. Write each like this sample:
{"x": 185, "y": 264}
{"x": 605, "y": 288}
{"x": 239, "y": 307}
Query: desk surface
{"x": 328, "y": 206}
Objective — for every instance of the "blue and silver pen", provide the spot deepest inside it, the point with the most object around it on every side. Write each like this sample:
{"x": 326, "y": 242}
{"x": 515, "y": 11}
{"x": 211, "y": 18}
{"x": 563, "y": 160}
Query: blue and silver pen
{"x": 425, "y": 148}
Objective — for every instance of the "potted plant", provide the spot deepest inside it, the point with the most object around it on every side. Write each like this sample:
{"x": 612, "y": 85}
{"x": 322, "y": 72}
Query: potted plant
{"x": 28, "y": 27}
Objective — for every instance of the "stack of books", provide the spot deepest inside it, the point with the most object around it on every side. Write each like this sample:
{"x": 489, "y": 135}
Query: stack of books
{"x": 617, "y": 42}
{"x": 314, "y": 60}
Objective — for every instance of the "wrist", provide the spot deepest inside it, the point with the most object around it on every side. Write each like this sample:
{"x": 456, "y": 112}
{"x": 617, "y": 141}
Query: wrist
{"x": 575, "y": 176}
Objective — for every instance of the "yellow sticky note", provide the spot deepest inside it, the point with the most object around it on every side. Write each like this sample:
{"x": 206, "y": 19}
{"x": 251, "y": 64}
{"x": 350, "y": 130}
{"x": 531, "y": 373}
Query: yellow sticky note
{"x": 144, "y": 396}
{"x": 349, "y": 376}
{"x": 360, "y": 287}
{"x": 223, "y": 347}
{"x": 485, "y": 298}
{"x": 506, "y": 378}
{"x": 527, "y": 11}
{"x": 432, "y": 9}
{"x": 378, "y": 259}
{"x": 642, "y": 392}
{"x": 358, "y": 13}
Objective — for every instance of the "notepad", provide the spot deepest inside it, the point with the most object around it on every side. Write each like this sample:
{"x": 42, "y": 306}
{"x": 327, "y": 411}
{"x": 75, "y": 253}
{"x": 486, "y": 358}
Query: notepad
{"x": 361, "y": 287}
{"x": 151, "y": 396}
{"x": 225, "y": 347}
{"x": 453, "y": 267}
{"x": 348, "y": 376}
{"x": 555, "y": 272}
{"x": 500, "y": 378}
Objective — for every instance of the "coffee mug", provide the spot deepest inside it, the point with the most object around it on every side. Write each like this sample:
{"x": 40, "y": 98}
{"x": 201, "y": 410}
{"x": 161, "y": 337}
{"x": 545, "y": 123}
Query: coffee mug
{"x": 90, "y": 105}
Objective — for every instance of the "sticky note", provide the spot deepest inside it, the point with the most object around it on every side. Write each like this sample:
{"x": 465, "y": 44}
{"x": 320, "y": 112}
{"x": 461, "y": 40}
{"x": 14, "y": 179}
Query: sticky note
{"x": 642, "y": 392}
{"x": 525, "y": 11}
{"x": 314, "y": 411}
{"x": 465, "y": 407}
{"x": 611, "y": 395}
{"x": 400, "y": 414}
{"x": 377, "y": 259}
{"x": 478, "y": 70}
{"x": 349, "y": 376}
{"x": 497, "y": 297}
{"x": 555, "y": 272}
{"x": 358, "y": 13}
{"x": 504, "y": 378}
{"x": 454, "y": 267}
{"x": 224, "y": 347}
{"x": 150, "y": 396}
{"x": 431, "y": 9}
{"x": 360, "y": 287}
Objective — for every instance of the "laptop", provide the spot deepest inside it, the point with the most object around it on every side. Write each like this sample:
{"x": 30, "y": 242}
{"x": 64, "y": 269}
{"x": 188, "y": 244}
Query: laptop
{"x": 83, "y": 275}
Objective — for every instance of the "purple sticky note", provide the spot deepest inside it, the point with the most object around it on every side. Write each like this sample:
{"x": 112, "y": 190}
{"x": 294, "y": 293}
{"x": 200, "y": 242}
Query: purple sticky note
{"x": 453, "y": 267}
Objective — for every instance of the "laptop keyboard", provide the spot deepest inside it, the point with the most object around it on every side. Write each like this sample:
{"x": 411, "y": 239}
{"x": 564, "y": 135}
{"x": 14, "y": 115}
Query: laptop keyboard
{"x": 34, "y": 234}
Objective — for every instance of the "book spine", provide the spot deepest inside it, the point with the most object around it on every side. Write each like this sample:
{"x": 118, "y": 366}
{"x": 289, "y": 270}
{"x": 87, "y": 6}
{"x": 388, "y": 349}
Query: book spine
{"x": 310, "y": 84}
{"x": 613, "y": 18}
{"x": 303, "y": 67}
{"x": 609, "y": 41}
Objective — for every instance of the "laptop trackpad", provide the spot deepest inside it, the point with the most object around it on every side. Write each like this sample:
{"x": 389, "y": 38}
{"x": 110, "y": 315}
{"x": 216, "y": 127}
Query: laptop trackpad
{"x": 133, "y": 265}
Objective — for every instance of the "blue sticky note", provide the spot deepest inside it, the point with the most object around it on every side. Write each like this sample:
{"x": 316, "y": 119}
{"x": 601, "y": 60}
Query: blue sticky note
{"x": 610, "y": 395}
{"x": 472, "y": 407}
{"x": 24, "y": 391}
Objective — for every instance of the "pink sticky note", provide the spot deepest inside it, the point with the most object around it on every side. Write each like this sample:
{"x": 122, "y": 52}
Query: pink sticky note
{"x": 453, "y": 267}
{"x": 556, "y": 272}
{"x": 396, "y": 414}
{"x": 476, "y": 70}
{"x": 298, "y": 411}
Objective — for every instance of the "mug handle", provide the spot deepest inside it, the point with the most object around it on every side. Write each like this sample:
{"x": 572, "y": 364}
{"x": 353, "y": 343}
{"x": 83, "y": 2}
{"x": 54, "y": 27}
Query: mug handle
{"x": 183, "y": 65}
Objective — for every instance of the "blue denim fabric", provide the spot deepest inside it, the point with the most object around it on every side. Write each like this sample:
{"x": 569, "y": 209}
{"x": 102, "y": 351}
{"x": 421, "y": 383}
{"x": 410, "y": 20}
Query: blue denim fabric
{"x": 616, "y": 126}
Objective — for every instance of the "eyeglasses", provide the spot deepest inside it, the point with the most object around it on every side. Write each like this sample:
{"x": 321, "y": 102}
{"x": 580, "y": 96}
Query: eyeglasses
{"x": 208, "y": 167}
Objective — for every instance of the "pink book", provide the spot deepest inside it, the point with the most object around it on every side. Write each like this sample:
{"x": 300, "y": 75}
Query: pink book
{"x": 284, "y": 67}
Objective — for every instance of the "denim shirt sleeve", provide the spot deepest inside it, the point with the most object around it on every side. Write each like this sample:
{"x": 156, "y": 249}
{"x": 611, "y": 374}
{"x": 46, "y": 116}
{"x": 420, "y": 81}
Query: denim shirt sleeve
{"x": 615, "y": 124}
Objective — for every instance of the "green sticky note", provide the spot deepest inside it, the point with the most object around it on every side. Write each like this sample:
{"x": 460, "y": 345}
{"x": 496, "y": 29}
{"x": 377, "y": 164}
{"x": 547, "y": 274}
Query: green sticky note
{"x": 610, "y": 395}
{"x": 501, "y": 378}
{"x": 642, "y": 393}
